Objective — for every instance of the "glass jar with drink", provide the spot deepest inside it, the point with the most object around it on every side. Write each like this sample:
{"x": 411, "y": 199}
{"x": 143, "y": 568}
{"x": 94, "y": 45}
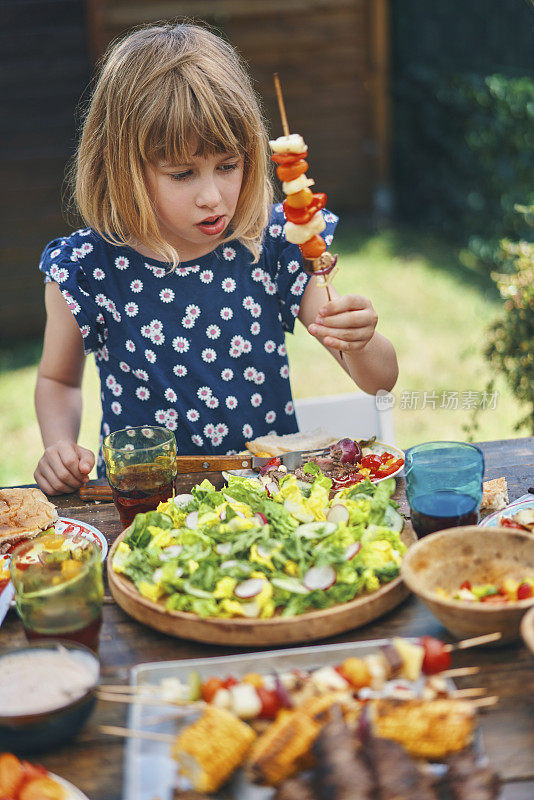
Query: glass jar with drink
{"x": 141, "y": 469}
{"x": 58, "y": 588}
{"x": 443, "y": 485}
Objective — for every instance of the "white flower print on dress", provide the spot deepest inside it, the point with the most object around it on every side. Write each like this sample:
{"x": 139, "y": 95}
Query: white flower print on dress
{"x": 228, "y": 284}
{"x": 171, "y": 395}
{"x": 227, "y": 374}
{"x": 298, "y": 285}
{"x": 61, "y": 274}
{"x": 198, "y": 440}
{"x": 71, "y": 302}
{"x": 247, "y": 431}
{"x": 249, "y": 373}
{"x": 117, "y": 390}
{"x": 206, "y": 276}
{"x": 157, "y": 338}
{"x": 279, "y": 207}
{"x": 282, "y": 350}
{"x": 171, "y": 424}
{"x": 192, "y": 415}
{"x": 270, "y": 346}
{"x": 106, "y": 429}
{"x": 204, "y": 393}
{"x": 180, "y": 370}
{"x": 221, "y": 429}
{"x": 229, "y": 253}
{"x": 236, "y": 346}
{"x": 156, "y": 325}
{"x": 131, "y": 309}
{"x": 141, "y": 374}
{"x": 103, "y": 354}
{"x": 270, "y": 416}
{"x": 212, "y": 402}
{"x": 216, "y": 440}
{"x": 160, "y": 416}
{"x": 99, "y": 274}
{"x": 257, "y": 274}
{"x": 255, "y": 328}
{"x": 209, "y": 355}
{"x": 192, "y": 311}
{"x": 259, "y": 378}
{"x": 136, "y": 286}
{"x": 166, "y": 295}
{"x": 188, "y": 322}
{"x": 295, "y": 310}
{"x": 275, "y": 230}
{"x": 231, "y": 402}
{"x": 256, "y": 399}
{"x": 122, "y": 262}
{"x": 226, "y": 313}
{"x": 284, "y": 371}
{"x": 255, "y": 310}
{"x": 116, "y": 407}
{"x": 110, "y": 381}
{"x": 159, "y": 272}
{"x": 209, "y": 430}
{"x": 172, "y": 414}
{"x": 213, "y": 331}
{"x": 329, "y": 217}
{"x": 329, "y": 238}
{"x": 247, "y": 347}
{"x": 86, "y": 248}
{"x": 248, "y": 302}
{"x": 270, "y": 287}
{"x": 85, "y": 330}
{"x": 293, "y": 266}
{"x": 150, "y": 356}
{"x": 101, "y": 300}
{"x": 55, "y": 253}
{"x": 142, "y": 392}
{"x": 289, "y": 408}
{"x": 180, "y": 344}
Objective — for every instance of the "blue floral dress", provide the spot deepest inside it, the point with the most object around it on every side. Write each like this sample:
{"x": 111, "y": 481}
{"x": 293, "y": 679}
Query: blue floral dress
{"x": 199, "y": 350}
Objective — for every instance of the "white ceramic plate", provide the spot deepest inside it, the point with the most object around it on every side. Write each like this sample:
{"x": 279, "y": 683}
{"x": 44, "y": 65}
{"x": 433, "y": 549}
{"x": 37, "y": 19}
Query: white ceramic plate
{"x": 377, "y": 448}
{"x": 73, "y": 793}
{"x": 494, "y": 520}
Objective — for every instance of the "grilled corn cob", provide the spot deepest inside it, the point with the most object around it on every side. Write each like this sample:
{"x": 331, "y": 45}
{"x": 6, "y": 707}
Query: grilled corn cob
{"x": 425, "y": 728}
{"x": 277, "y": 753}
{"x": 210, "y": 749}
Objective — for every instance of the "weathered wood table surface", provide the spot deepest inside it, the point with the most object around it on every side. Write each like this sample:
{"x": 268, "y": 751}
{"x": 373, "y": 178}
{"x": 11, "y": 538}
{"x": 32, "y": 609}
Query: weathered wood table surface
{"x": 94, "y": 762}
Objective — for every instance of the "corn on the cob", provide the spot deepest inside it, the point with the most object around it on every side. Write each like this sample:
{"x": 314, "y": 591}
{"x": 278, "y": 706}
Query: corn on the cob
{"x": 210, "y": 749}
{"x": 276, "y": 754}
{"x": 425, "y": 728}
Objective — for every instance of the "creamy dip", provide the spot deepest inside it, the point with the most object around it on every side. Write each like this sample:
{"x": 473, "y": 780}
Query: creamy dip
{"x": 35, "y": 681}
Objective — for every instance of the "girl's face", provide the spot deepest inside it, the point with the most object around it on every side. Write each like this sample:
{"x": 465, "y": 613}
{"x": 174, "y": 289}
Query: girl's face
{"x": 195, "y": 201}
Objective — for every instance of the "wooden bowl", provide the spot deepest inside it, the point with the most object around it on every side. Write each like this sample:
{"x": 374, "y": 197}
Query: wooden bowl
{"x": 480, "y": 555}
{"x": 262, "y": 633}
{"x": 527, "y": 629}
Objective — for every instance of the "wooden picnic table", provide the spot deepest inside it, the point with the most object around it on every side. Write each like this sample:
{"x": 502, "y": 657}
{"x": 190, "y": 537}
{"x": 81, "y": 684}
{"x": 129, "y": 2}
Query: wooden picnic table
{"x": 94, "y": 762}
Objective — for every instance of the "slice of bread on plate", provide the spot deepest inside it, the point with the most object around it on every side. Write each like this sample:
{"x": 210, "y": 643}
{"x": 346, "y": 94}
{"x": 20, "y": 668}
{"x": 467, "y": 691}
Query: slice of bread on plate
{"x": 494, "y": 495}
{"x": 24, "y": 512}
{"x": 274, "y": 445}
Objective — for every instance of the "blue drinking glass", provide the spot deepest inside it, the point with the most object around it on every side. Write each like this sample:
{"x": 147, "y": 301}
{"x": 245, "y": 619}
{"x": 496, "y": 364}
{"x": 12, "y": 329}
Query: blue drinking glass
{"x": 443, "y": 485}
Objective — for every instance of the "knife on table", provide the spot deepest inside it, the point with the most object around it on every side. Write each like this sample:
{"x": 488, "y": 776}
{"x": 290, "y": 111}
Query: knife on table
{"x": 100, "y": 491}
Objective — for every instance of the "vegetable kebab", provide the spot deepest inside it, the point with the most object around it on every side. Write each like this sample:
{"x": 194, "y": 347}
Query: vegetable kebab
{"x": 302, "y": 208}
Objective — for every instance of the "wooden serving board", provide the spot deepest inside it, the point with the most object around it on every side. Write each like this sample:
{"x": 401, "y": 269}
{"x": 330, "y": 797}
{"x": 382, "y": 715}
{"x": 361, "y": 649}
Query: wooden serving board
{"x": 258, "y": 632}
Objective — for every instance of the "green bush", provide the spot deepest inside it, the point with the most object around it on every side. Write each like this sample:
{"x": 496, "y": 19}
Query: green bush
{"x": 510, "y": 349}
{"x": 463, "y": 157}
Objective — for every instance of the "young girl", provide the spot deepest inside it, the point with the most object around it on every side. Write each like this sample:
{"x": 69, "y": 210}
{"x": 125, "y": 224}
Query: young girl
{"x": 182, "y": 284}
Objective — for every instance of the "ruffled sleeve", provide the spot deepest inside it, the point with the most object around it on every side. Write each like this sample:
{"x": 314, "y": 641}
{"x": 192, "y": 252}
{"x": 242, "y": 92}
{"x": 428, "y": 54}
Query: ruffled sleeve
{"x": 284, "y": 261}
{"x": 62, "y": 261}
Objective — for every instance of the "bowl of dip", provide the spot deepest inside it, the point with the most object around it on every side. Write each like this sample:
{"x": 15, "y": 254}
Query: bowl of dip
{"x": 47, "y": 692}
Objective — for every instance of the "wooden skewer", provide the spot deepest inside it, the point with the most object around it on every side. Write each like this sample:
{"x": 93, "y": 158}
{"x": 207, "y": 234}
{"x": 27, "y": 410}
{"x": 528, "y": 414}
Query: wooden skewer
{"x": 485, "y": 702}
{"x": 474, "y": 642}
{"x": 473, "y": 691}
{"x": 458, "y": 672}
{"x": 113, "y": 730}
{"x": 147, "y": 701}
{"x": 125, "y": 688}
{"x": 281, "y": 106}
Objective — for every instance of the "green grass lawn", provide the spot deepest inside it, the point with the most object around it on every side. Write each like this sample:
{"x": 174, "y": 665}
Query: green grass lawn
{"x": 435, "y": 311}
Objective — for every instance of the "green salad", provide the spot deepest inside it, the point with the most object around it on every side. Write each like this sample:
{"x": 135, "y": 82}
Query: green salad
{"x": 248, "y": 551}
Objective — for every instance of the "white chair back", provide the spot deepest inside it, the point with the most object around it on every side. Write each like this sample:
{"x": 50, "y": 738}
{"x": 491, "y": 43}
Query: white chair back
{"x": 356, "y": 414}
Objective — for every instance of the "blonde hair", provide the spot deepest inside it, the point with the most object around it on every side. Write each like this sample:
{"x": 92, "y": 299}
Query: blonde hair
{"x": 160, "y": 88}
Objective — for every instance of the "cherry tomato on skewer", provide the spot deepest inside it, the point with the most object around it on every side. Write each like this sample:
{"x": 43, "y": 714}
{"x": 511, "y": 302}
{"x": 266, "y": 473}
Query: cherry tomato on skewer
{"x": 437, "y": 658}
{"x": 288, "y": 158}
{"x": 313, "y": 248}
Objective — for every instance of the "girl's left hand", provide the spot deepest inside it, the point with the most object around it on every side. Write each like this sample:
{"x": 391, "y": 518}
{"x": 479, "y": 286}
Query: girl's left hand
{"x": 346, "y": 323}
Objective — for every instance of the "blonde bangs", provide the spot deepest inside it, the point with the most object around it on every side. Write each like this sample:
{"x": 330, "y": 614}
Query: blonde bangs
{"x": 162, "y": 92}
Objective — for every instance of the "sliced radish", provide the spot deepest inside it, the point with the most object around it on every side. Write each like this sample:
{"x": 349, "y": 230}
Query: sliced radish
{"x": 261, "y": 518}
{"x": 171, "y": 551}
{"x": 182, "y": 500}
{"x": 352, "y": 550}
{"x": 338, "y": 514}
{"x": 191, "y": 521}
{"x": 251, "y": 609}
{"x": 223, "y": 548}
{"x": 158, "y": 574}
{"x": 315, "y": 530}
{"x": 222, "y": 515}
{"x": 296, "y": 510}
{"x": 232, "y": 562}
{"x": 178, "y": 572}
{"x": 319, "y": 578}
{"x": 195, "y": 591}
{"x": 263, "y": 551}
{"x": 271, "y": 488}
{"x": 249, "y": 588}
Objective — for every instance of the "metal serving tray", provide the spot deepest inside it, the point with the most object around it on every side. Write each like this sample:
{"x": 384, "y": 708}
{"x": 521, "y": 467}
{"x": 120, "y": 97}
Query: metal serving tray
{"x": 150, "y": 772}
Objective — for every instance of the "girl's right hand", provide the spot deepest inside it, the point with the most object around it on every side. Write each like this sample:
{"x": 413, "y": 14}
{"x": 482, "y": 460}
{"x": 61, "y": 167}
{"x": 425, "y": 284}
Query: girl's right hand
{"x": 63, "y": 468}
